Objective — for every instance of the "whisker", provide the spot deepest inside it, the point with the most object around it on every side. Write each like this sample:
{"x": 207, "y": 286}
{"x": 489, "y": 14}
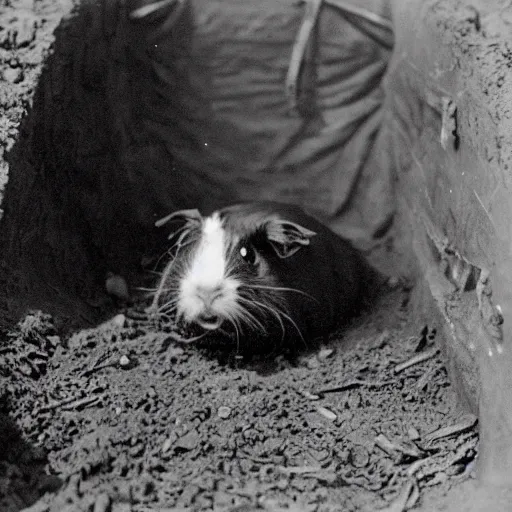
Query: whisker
{"x": 168, "y": 307}
{"x": 155, "y": 272}
{"x": 279, "y": 311}
{"x": 168, "y": 313}
{"x": 168, "y": 251}
{"x": 165, "y": 275}
{"x": 262, "y": 307}
{"x": 249, "y": 318}
{"x": 280, "y": 288}
{"x": 274, "y": 313}
{"x": 153, "y": 290}
{"x": 234, "y": 323}
{"x": 146, "y": 295}
{"x": 289, "y": 318}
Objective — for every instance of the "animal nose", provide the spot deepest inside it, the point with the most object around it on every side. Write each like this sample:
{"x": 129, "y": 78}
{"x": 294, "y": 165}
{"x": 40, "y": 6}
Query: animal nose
{"x": 209, "y": 293}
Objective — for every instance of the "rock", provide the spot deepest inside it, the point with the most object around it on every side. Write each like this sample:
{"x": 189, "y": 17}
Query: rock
{"x": 189, "y": 441}
{"x": 124, "y": 361}
{"x": 360, "y": 456}
{"x": 327, "y": 413}
{"x": 312, "y": 363}
{"x": 413, "y": 434}
{"x": 325, "y": 353}
{"x": 166, "y": 445}
{"x": 13, "y": 75}
{"x": 119, "y": 320}
{"x": 224, "y": 412}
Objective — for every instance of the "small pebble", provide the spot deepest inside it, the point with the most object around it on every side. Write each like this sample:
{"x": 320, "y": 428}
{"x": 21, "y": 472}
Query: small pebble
{"x": 360, "y": 456}
{"x": 54, "y": 340}
{"x": 119, "y": 320}
{"x": 308, "y": 395}
{"x": 124, "y": 361}
{"x": 326, "y": 413}
{"x": 13, "y": 75}
{"x": 325, "y": 353}
{"x": 137, "y": 450}
{"x": 282, "y": 484}
{"x": 167, "y": 445}
{"x": 224, "y": 412}
{"x": 174, "y": 353}
{"x": 189, "y": 441}
{"x": 312, "y": 363}
{"x": 413, "y": 434}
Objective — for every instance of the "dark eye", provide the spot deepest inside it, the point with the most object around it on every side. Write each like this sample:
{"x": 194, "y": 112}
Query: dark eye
{"x": 248, "y": 254}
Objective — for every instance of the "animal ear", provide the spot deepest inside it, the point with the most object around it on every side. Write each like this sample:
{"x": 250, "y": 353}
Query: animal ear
{"x": 191, "y": 217}
{"x": 287, "y": 237}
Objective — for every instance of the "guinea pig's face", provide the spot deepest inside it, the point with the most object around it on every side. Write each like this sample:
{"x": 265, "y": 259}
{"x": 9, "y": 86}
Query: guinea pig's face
{"x": 225, "y": 272}
{"x": 208, "y": 291}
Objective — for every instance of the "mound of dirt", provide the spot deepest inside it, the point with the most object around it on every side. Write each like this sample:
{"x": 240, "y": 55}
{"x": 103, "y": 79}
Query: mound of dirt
{"x": 130, "y": 419}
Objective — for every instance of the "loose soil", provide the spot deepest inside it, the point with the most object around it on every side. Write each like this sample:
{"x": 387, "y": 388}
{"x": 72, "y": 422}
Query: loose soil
{"x": 124, "y": 417}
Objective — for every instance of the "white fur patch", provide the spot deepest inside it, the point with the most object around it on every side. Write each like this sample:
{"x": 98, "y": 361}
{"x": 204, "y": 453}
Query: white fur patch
{"x": 205, "y": 290}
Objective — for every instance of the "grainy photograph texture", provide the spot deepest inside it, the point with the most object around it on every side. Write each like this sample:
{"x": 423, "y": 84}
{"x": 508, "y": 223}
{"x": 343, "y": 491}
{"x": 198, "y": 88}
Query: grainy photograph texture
{"x": 255, "y": 255}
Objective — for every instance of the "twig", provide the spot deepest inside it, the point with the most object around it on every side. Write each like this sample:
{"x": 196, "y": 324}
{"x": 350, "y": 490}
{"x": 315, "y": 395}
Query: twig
{"x": 385, "y": 444}
{"x": 467, "y": 423}
{"x": 401, "y": 501}
{"x": 420, "y": 358}
{"x": 60, "y": 403}
{"x": 417, "y": 465}
{"x": 94, "y": 369}
{"x": 299, "y": 470}
{"x": 426, "y": 377}
{"x": 391, "y": 447}
{"x": 342, "y": 387}
{"x": 90, "y": 400}
{"x": 354, "y": 384}
{"x": 414, "y": 496}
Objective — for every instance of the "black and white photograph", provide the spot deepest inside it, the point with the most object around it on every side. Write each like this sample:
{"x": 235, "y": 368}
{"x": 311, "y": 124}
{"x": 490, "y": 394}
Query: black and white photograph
{"x": 255, "y": 255}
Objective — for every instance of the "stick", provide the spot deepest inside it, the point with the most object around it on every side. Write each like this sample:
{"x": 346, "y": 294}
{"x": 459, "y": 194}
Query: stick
{"x": 420, "y": 358}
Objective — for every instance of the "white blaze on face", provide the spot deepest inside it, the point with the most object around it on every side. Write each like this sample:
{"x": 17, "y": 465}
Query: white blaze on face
{"x": 206, "y": 295}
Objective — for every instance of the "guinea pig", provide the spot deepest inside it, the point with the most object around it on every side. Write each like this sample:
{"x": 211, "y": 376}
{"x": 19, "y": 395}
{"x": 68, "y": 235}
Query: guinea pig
{"x": 260, "y": 267}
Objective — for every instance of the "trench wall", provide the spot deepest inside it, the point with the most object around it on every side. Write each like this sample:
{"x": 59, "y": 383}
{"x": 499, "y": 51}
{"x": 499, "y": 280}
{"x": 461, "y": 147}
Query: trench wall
{"x": 450, "y": 117}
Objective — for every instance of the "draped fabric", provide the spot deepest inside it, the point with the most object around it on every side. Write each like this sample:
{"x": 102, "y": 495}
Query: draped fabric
{"x": 276, "y": 100}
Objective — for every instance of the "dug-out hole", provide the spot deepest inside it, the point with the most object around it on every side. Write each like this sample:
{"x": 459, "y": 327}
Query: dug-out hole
{"x": 86, "y": 181}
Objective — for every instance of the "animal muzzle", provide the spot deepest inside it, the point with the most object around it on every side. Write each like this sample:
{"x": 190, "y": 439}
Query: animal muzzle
{"x": 207, "y": 317}
{"x": 208, "y": 321}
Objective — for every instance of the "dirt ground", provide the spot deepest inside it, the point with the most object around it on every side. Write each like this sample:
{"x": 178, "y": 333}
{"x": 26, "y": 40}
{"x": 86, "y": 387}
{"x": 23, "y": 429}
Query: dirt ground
{"x": 127, "y": 417}
{"x": 124, "y": 417}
